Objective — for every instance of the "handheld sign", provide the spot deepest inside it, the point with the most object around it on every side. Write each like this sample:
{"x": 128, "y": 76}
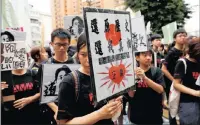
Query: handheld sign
{"x": 109, "y": 44}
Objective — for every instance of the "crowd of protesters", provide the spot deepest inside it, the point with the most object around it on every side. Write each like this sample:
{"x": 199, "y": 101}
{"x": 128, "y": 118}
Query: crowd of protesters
{"x": 153, "y": 83}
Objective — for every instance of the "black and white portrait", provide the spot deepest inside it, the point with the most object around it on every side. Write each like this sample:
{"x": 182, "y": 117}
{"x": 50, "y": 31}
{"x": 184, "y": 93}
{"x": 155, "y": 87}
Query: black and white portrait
{"x": 7, "y": 37}
{"x": 53, "y": 74}
{"x": 74, "y": 24}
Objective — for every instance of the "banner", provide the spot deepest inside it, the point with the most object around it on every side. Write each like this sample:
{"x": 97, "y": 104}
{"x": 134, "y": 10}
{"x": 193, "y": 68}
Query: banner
{"x": 74, "y": 24}
{"x": 168, "y": 31}
{"x": 139, "y": 35}
{"x": 110, "y": 51}
{"x": 13, "y": 55}
{"x": 52, "y": 76}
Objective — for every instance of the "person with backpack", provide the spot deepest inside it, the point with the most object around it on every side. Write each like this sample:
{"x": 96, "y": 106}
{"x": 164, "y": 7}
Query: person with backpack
{"x": 146, "y": 102}
{"x": 24, "y": 107}
{"x": 170, "y": 61}
{"x": 185, "y": 81}
{"x": 60, "y": 41}
{"x": 75, "y": 99}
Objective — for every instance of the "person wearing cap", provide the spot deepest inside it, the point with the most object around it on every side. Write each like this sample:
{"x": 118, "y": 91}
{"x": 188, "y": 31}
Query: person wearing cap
{"x": 156, "y": 43}
{"x": 171, "y": 58}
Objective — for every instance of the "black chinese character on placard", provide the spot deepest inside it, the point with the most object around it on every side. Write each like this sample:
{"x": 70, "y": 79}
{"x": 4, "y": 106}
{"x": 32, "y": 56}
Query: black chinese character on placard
{"x": 135, "y": 40}
{"x": 110, "y": 47}
{"x": 126, "y": 24}
{"x": 94, "y": 26}
{"x": 106, "y": 25}
{"x": 98, "y": 48}
{"x": 129, "y": 43}
{"x": 141, "y": 40}
{"x": 120, "y": 46}
{"x": 50, "y": 90}
{"x": 117, "y": 28}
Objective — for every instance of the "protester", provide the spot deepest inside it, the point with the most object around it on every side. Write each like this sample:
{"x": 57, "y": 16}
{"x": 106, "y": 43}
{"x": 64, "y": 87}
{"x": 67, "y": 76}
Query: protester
{"x": 76, "y": 107}
{"x": 25, "y": 108}
{"x": 39, "y": 55}
{"x": 60, "y": 41}
{"x": 189, "y": 107}
{"x": 147, "y": 98}
{"x": 156, "y": 43}
{"x": 169, "y": 64}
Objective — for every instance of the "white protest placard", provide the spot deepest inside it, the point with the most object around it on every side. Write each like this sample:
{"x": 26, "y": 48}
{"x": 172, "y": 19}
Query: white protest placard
{"x": 12, "y": 35}
{"x": 74, "y": 24}
{"x": 13, "y": 55}
{"x": 139, "y": 35}
{"x": 109, "y": 44}
{"x": 52, "y": 76}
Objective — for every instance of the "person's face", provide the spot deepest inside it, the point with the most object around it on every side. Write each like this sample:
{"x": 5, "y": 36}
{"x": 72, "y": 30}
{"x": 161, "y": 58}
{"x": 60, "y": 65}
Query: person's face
{"x": 60, "y": 76}
{"x": 160, "y": 48}
{"x": 60, "y": 45}
{"x": 180, "y": 38}
{"x": 83, "y": 57}
{"x": 75, "y": 27}
{"x": 5, "y": 38}
{"x": 144, "y": 58}
{"x": 43, "y": 54}
{"x": 156, "y": 42}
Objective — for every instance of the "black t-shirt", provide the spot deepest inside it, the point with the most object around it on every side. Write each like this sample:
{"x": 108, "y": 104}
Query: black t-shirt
{"x": 188, "y": 79}
{"x": 23, "y": 86}
{"x": 68, "y": 106}
{"x": 146, "y": 105}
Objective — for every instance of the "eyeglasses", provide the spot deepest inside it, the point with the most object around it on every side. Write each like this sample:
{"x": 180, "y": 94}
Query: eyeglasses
{"x": 65, "y": 45}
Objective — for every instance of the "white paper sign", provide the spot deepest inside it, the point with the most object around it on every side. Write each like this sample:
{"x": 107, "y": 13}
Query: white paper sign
{"x": 52, "y": 76}
{"x": 74, "y": 24}
{"x": 110, "y": 49}
{"x": 13, "y": 55}
{"x": 12, "y": 35}
{"x": 139, "y": 36}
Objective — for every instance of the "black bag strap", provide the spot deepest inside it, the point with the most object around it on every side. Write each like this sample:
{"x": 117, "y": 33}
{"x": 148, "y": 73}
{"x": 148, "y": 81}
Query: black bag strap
{"x": 76, "y": 84}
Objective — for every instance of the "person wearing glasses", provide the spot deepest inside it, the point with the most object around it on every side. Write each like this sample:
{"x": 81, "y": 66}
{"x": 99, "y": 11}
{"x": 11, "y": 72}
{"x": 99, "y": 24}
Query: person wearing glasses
{"x": 60, "y": 41}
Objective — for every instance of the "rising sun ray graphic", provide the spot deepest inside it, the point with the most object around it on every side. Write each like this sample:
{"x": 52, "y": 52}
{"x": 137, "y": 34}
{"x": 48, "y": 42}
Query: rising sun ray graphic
{"x": 116, "y": 75}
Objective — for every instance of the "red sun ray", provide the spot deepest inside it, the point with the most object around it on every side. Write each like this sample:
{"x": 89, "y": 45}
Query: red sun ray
{"x": 128, "y": 65}
{"x": 110, "y": 84}
{"x": 129, "y": 75}
{"x": 123, "y": 84}
{"x": 105, "y": 78}
{"x": 102, "y": 73}
{"x": 105, "y": 83}
{"x": 113, "y": 88}
{"x": 121, "y": 62}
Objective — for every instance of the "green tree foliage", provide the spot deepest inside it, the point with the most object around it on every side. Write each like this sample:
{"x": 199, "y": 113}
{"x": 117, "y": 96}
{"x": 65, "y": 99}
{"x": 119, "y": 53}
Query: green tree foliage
{"x": 161, "y": 12}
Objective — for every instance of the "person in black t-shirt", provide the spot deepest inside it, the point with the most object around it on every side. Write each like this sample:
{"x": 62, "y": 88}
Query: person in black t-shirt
{"x": 25, "y": 108}
{"x": 169, "y": 63}
{"x": 77, "y": 107}
{"x": 146, "y": 101}
{"x": 189, "y": 107}
{"x": 156, "y": 43}
{"x": 60, "y": 41}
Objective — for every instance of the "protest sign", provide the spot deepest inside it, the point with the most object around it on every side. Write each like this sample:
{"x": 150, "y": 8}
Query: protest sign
{"x": 168, "y": 31}
{"x": 109, "y": 44}
{"x": 52, "y": 76}
{"x": 74, "y": 24}
{"x": 139, "y": 35}
{"x": 12, "y": 35}
{"x": 13, "y": 55}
